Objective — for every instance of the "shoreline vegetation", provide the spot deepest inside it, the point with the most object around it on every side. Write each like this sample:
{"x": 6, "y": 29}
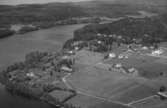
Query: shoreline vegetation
{"x": 26, "y": 18}
{"x": 100, "y": 37}
{"x": 38, "y": 76}
{"x": 25, "y": 28}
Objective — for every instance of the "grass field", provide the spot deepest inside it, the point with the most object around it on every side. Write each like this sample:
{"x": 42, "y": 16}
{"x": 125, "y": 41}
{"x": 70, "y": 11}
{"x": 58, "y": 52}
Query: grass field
{"x": 154, "y": 102}
{"x": 111, "y": 85}
{"x": 84, "y": 101}
{"x": 89, "y": 102}
{"x": 148, "y": 66}
{"x": 114, "y": 86}
{"x": 93, "y": 81}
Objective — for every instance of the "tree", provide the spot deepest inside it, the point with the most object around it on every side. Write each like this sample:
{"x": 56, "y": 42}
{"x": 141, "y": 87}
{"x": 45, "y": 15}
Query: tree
{"x": 162, "y": 89}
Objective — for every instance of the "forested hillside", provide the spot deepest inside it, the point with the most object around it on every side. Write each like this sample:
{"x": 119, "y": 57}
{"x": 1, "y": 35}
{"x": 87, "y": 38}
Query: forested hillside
{"x": 36, "y": 16}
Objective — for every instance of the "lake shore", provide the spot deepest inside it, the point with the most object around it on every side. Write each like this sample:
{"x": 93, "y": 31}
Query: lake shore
{"x": 43, "y": 40}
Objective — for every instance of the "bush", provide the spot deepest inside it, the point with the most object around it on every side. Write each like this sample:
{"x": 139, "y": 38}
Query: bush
{"x": 6, "y": 33}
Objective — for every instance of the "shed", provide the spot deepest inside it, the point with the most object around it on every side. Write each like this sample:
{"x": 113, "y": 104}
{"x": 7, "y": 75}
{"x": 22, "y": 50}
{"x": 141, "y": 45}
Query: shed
{"x": 66, "y": 69}
{"x": 119, "y": 65}
{"x": 112, "y": 55}
{"x": 157, "y": 52}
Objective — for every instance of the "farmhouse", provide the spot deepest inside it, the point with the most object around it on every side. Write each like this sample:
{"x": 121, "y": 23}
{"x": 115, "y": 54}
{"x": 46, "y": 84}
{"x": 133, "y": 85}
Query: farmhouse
{"x": 98, "y": 34}
{"x": 65, "y": 57}
{"x": 99, "y": 42}
{"x": 121, "y": 56}
{"x": 110, "y": 35}
{"x": 112, "y": 55}
{"x": 70, "y": 52}
{"x": 119, "y": 37}
{"x": 76, "y": 43}
{"x": 144, "y": 48}
{"x": 129, "y": 50}
{"x": 157, "y": 52}
{"x": 66, "y": 69}
{"x": 119, "y": 65}
{"x": 132, "y": 70}
{"x": 31, "y": 74}
{"x": 76, "y": 48}
{"x": 105, "y": 35}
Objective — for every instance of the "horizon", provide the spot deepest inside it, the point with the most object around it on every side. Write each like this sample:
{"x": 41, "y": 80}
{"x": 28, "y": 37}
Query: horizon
{"x": 18, "y": 2}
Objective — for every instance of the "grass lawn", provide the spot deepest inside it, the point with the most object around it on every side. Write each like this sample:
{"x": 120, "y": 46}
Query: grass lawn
{"x": 89, "y": 102}
{"x": 93, "y": 80}
{"x": 154, "y": 102}
{"x": 109, "y": 105}
{"x": 84, "y": 101}
{"x": 148, "y": 67}
{"x": 111, "y": 85}
{"x": 60, "y": 95}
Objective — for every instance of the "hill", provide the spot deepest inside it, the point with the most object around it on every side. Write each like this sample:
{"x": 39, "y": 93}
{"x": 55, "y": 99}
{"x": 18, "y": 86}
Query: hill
{"x": 136, "y": 2}
{"x": 46, "y": 15}
{"x": 156, "y": 5}
{"x": 39, "y": 13}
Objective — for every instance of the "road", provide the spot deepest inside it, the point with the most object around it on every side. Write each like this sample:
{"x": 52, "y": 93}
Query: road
{"x": 133, "y": 102}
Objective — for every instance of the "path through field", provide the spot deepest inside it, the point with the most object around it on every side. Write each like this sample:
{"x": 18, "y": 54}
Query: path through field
{"x": 85, "y": 93}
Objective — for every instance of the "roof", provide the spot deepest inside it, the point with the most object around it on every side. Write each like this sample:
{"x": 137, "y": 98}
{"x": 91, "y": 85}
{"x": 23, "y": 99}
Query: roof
{"x": 159, "y": 51}
{"x": 31, "y": 74}
{"x": 118, "y": 65}
{"x": 144, "y": 47}
{"x": 132, "y": 69}
{"x": 112, "y": 55}
{"x": 65, "y": 68}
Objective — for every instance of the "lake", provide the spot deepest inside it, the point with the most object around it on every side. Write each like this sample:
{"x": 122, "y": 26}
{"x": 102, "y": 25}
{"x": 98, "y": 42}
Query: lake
{"x": 14, "y": 48}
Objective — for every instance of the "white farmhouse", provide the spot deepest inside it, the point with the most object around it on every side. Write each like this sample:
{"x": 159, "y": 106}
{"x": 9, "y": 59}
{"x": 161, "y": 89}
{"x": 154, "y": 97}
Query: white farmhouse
{"x": 120, "y": 56}
{"x": 31, "y": 74}
{"x": 76, "y": 48}
{"x": 98, "y": 34}
{"x": 132, "y": 70}
{"x": 157, "y": 52}
{"x": 144, "y": 48}
{"x": 66, "y": 69}
{"x": 99, "y": 42}
{"x": 119, "y": 65}
{"x": 112, "y": 55}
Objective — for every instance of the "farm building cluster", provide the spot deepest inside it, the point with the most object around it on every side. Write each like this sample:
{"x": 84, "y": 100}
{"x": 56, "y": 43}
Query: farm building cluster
{"x": 41, "y": 74}
{"x": 104, "y": 43}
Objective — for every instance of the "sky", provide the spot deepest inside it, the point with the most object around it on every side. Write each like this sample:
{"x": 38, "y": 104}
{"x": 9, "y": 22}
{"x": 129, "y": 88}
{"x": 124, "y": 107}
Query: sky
{"x": 15, "y": 2}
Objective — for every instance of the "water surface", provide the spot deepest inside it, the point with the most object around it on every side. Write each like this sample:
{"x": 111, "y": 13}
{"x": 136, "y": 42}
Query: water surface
{"x": 14, "y": 48}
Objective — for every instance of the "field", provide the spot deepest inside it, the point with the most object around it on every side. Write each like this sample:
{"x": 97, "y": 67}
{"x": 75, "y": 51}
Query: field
{"x": 111, "y": 85}
{"x": 91, "y": 81}
{"x": 89, "y": 102}
{"x": 148, "y": 66}
{"x": 154, "y": 102}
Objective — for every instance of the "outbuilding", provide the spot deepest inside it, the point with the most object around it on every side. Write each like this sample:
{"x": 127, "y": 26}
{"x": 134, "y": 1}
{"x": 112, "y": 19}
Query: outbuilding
{"x": 66, "y": 69}
{"x": 144, "y": 48}
{"x": 119, "y": 65}
{"x": 132, "y": 70}
{"x": 112, "y": 55}
{"x": 157, "y": 52}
